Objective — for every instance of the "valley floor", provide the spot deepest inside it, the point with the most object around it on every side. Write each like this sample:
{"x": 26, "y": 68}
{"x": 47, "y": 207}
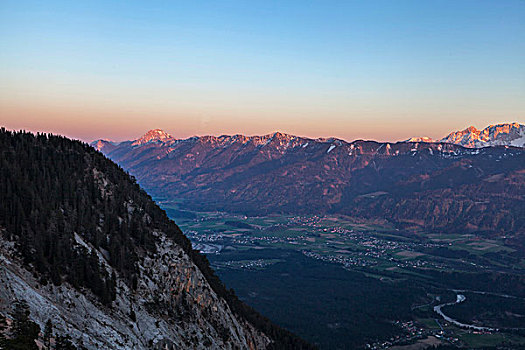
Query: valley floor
{"x": 342, "y": 283}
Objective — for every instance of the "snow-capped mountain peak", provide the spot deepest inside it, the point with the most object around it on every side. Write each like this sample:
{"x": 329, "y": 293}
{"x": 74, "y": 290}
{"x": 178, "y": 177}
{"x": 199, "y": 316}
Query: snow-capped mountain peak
{"x": 420, "y": 139}
{"x": 507, "y": 134}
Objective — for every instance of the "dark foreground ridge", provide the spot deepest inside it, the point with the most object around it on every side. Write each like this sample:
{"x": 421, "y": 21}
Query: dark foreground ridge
{"x": 76, "y": 220}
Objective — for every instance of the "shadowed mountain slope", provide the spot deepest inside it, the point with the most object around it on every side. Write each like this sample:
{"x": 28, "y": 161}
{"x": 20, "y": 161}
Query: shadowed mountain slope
{"x": 431, "y": 185}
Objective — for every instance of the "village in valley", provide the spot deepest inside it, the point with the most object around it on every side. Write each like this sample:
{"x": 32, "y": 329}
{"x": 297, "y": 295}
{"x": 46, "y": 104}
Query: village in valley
{"x": 377, "y": 250}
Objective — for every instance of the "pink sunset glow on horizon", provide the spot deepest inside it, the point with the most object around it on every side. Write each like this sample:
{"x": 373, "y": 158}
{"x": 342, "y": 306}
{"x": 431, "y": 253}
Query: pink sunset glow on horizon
{"x": 88, "y": 120}
{"x": 96, "y": 70}
{"x": 120, "y": 129}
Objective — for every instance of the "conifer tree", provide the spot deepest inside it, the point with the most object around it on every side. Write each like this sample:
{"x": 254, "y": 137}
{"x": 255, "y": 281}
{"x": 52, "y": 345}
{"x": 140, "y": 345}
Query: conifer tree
{"x": 3, "y": 328}
{"x": 48, "y": 333}
{"x": 64, "y": 343}
{"x": 24, "y": 331}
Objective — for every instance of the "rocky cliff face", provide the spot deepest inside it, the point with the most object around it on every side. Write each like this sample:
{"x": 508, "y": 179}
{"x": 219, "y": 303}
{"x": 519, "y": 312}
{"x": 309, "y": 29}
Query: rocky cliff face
{"x": 173, "y": 306}
{"x": 435, "y": 185}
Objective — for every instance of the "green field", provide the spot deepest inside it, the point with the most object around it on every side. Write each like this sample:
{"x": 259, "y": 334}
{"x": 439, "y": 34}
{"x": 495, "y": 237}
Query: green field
{"x": 343, "y": 283}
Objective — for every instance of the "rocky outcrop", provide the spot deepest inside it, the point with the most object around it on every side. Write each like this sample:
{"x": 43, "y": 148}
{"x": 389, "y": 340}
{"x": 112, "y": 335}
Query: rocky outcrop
{"x": 173, "y": 306}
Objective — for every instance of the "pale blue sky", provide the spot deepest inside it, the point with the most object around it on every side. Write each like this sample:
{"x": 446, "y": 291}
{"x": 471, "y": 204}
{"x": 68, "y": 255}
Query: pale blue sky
{"x": 352, "y": 69}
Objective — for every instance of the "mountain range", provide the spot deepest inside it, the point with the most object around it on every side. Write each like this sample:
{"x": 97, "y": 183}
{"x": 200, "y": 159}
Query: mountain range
{"x": 430, "y": 185}
{"x": 506, "y": 134}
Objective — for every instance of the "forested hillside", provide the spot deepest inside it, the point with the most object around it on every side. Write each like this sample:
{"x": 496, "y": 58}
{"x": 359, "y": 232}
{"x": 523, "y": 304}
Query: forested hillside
{"x": 76, "y": 218}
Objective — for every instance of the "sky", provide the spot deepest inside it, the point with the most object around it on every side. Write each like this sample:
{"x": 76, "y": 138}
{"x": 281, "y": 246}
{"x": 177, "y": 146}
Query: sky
{"x": 382, "y": 70}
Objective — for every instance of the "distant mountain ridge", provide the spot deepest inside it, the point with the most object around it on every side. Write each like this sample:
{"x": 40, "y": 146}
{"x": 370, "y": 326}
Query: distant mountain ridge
{"x": 432, "y": 185}
{"x": 510, "y": 134}
{"x": 507, "y": 134}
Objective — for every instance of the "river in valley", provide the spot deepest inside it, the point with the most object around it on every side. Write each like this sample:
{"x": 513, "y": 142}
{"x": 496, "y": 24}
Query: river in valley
{"x": 459, "y": 299}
